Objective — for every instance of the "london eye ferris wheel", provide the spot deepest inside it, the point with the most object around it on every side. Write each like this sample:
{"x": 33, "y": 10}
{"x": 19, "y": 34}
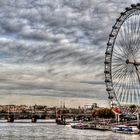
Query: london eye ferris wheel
{"x": 122, "y": 58}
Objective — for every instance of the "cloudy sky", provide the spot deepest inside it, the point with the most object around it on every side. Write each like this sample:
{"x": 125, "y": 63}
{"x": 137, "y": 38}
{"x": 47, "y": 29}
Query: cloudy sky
{"x": 52, "y": 51}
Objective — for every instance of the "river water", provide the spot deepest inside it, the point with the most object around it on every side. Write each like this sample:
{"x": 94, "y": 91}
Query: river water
{"x": 51, "y": 131}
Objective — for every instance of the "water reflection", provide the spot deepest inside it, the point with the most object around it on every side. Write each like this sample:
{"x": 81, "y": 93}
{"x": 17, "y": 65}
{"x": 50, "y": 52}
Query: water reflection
{"x": 51, "y": 131}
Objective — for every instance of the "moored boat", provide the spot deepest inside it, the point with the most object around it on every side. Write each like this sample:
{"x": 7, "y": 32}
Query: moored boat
{"x": 90, "y": 126}
{"x": 80, "y": 126}
{"x": 126, "y": 129}
{"x": 61, "y": 122}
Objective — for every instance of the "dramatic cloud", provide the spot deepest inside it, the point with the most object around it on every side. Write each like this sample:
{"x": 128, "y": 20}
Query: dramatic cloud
{"x": 55, "y": 48}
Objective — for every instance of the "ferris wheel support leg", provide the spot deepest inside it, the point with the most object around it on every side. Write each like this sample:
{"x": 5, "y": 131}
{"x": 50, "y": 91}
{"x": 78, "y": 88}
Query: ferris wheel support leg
{"x": 137, "y": 71}
{"x": 138, "y": 117}
{"x": 138, "y": 121}
{"x": 117, "y": 118}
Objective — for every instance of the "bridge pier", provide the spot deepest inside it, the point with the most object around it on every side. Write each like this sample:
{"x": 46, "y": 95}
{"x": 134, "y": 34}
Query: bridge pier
{"x": 10, "y": 119}
{"x": 34, "y": 119}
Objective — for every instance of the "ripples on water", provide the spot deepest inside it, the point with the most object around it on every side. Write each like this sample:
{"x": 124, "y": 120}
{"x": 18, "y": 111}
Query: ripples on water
{"x": 51, "y": 131}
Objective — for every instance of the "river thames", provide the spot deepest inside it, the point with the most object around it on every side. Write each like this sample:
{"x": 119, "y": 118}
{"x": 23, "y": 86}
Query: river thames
{"x": 51, "y": 131}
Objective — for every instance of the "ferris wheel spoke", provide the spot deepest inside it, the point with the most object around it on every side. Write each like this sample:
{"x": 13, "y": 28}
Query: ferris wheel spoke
{"x": 118, "y": 79}
{"x": 117, "y": 83}
{"x": 118, "y": 59}
{"x": 117, "y": 89}
{"x": 126, "y": 96}
{"x": 138, "y": 74}
{"x": 137, "y": 87}
{"x": 133, "y": 86}
{"x": 137, "y": 43}
{"x": 124, "y": 41}
{"x": 122, "y": 47}
{"x": 119, "y": 49}
{"x": 124, "y": 78}
{"x": 117, "y": 72}
{"x": 126, "y": 91}
{"x": 138, "y": 55}
{"x": 131, "y": 92}
{"x": 130, "y": 33}
{"x": 126, "y": 34}
{"x": 138, "y": 47}
{"x": 121, "y": 93}
{"x": 131, "y": 89}
{"x": 117, "y": 65}
{"x": 135, "y": 28}
{"x": 121, "y": 43}
{"x": 138, "y": 94}
{"x": 117, "y": 68}
{"x": 132, "y": 27}
{"x": 116, "y": 75}
{"x": 119, "y": 56}
{"x": 137, "y": 71}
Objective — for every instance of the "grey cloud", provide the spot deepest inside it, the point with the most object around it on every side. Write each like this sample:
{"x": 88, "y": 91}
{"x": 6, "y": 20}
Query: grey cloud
{"x": 60, "y": 39}
{"x": 59, "y": 91}
{"x": 93, "y": 82}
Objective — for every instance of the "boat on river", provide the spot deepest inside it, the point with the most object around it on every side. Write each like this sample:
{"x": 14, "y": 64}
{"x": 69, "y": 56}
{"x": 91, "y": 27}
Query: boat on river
{"x": 90, "y": 126}
{"x": 61, "y": 121}
{"x": 125, "y": 129}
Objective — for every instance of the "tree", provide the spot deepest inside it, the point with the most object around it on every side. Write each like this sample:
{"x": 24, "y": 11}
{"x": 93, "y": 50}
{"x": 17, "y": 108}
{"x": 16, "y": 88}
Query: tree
{"x": 132, "y": 106}
{"x": 103, "y": 113}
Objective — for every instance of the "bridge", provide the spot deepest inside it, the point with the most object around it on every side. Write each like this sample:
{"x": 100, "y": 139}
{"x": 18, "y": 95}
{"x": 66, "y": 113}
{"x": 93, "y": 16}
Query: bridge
{"x": 34, "y": 116}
